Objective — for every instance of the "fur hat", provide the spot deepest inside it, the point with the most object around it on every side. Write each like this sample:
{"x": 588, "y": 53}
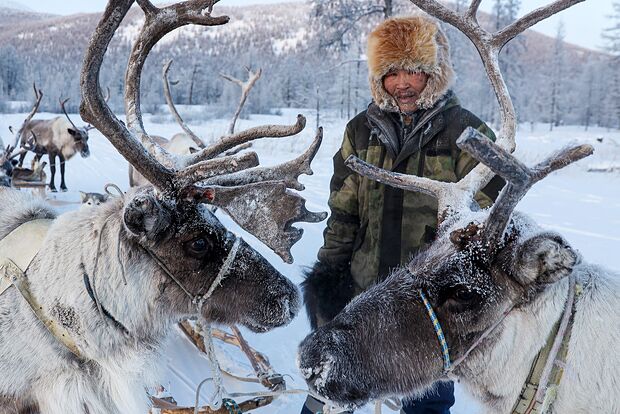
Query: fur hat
{"x": 414, "y": 43}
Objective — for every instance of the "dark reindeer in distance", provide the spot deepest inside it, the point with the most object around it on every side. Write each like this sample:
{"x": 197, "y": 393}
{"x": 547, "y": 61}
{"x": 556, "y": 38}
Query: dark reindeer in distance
{"x": 58, "y": 138}
{"x": 117, "y": 278}
{"x": 493, "y": 296}
{"x": 6, "y": 165}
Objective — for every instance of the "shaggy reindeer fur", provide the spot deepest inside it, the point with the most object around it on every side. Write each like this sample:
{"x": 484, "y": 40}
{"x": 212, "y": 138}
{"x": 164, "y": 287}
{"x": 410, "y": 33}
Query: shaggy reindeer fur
{"x": 415, "y": 44}
{"x": 117, "y": 364}
{"x": 387, "y": 327}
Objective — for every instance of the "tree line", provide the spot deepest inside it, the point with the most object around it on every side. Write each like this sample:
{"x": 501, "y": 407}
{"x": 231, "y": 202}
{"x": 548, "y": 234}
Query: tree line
{"x": 313, "y": 56}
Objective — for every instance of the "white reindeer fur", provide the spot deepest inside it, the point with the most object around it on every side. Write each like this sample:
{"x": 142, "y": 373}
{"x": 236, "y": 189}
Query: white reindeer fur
{"x": 114, "y": 383}
{"x": 495, "y": 375}
{"x": 54, "y": 131}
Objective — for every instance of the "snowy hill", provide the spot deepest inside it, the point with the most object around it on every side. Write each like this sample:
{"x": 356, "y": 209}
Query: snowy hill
{"x": 283, "y": 40}
{"x": 581, "y": 205}
{"x": 14, "y": 14}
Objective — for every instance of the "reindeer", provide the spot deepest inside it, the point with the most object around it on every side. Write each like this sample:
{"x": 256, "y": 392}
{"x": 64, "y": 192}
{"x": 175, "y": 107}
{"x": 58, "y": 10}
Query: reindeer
{"x": 8, "y": 154}
{"x": 188, "y": 142}
{"x": 57, "y": 137}
{"x": 504, "y": 307}
{"x": 6, "y": 165}
{"x": 108, "y": 284}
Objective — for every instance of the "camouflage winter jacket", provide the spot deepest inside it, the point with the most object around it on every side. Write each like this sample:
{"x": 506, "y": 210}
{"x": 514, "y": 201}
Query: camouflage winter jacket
{"x": 377, "y": 227}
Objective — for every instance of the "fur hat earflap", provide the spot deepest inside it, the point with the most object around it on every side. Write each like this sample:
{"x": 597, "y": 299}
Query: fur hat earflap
{"x": 415, "y": 44}
{"x": 327, "y": 290}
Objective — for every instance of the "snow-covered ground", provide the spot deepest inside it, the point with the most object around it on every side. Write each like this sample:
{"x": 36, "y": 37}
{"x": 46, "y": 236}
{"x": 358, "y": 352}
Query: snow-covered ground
{"x": 583, "y": 206}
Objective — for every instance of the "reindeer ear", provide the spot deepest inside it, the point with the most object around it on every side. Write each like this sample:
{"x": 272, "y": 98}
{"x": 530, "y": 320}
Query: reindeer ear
{"x": 147, "y": 216}
{"x": 193, "y": 150}
{"x": 83, "y": 196}
{"x": 73, "y": 132}
{"x": 543, "y": 259}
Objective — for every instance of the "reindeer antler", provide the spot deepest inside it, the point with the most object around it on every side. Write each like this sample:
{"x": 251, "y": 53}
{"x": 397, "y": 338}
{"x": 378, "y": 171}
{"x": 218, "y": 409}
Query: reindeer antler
{"x": 456, "y": 196}
{"x": 246, "y": 87}
{"x": 519, "y": 178}
{"x": 38, "y": 95}
{"x": 173, "y": 108}
{"x": 64, "y": 111}
{"x": 256, "y": 198}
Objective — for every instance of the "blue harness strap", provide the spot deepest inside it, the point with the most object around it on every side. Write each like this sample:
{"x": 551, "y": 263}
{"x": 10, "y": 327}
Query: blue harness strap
{"x": 438, "y": 331}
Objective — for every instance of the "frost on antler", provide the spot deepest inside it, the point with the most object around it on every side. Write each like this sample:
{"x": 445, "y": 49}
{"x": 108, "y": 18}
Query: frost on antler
{"x": 519, "y": 178}
{"x": 257, "y": 198}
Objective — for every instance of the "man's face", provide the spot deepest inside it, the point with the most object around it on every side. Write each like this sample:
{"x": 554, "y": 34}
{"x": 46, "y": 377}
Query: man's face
{"x": 405, "y": 87}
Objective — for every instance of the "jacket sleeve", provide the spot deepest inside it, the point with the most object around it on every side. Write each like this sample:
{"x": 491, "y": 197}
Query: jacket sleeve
{"x": 343, "y": 223}
{"x": 465, "y": 163}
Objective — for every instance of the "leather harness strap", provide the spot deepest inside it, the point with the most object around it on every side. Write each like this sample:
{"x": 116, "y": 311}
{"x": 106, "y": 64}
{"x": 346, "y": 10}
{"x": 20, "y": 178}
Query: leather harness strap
{"x": 527, "y": 402}
{"x": 17, "y": 250}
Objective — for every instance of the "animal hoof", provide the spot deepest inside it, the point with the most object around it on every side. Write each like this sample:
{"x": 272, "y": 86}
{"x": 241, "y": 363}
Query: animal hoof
{"x": 64, "y": 190}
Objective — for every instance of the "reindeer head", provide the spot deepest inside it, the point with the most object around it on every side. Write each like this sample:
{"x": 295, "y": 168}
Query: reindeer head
{"x": 79, "y": 134}
{"x": 195, "y": 254}
{"x": 482, "y": 266}
{"x": 199, "y": 262}
{"x": 384, "y": 342}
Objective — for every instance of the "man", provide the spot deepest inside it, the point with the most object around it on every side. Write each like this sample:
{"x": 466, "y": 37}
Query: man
{"x": 410, "y": 127}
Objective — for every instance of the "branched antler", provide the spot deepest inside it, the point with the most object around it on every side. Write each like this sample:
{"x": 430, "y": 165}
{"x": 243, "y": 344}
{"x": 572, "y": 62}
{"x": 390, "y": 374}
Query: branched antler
{"x": 173, "y": 108}
{"x": 245, "y": 91}
{"x": 257, "y": 198}
{"x": 246, "y": 87}
{"x": 519, "y": 178}
{"x": 38, "y": 95}
{"x": 287, "y": 172}
{"x": 265, "y": 131}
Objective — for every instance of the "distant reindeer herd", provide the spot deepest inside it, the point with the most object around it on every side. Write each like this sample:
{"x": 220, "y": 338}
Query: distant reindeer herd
{"x": 87, "y": 298}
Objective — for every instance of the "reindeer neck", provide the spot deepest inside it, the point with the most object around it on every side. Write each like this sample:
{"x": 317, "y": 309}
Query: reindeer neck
{"x": 92, "y": 248}
{"x": 521, "y": 336}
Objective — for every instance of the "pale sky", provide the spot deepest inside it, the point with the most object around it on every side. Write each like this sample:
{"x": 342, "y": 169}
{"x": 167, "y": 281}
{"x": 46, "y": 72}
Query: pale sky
{"x": 583, "y": 23}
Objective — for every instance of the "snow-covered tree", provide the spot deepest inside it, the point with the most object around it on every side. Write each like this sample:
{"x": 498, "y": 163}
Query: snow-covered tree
{"x": 612, "y": 35}
{"x": 11, "y": 68}
{"x": 556, "y": 79}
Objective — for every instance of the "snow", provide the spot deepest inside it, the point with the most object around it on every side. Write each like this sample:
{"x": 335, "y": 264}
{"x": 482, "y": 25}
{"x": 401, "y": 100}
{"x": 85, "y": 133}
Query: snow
{"x": 583, "y": 206}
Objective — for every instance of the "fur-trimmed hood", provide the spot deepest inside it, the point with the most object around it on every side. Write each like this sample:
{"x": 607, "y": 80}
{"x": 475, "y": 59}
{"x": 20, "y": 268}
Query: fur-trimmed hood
{"x": 414, "y": 43}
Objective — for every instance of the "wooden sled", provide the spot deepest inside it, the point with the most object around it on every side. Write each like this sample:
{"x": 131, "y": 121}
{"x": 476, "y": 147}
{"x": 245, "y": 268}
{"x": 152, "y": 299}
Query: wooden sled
{"x": 35, "y": 179}
{"x": 265, "y": 375}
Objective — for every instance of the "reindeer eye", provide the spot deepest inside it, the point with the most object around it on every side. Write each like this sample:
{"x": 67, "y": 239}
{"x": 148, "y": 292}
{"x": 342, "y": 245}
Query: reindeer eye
{"x": 198, "y": 247}
{"x": 464, "y": 295}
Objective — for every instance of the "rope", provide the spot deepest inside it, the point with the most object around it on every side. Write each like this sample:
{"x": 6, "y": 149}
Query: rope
{"x": 442, "y": 339}
{"x": 231, "y": 406}
{"x": 95, "y": 267}
{"x": 120, "y": 194}
{"x": 232, "y": 254}
{"x": 217, "y": 399}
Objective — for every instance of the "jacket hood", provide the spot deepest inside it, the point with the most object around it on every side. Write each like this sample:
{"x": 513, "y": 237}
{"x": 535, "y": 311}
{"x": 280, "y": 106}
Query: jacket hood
{"x": 415, "y": 44}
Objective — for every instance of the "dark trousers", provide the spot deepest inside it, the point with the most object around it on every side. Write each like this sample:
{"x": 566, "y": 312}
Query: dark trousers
{"x": 438, "y": 402}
